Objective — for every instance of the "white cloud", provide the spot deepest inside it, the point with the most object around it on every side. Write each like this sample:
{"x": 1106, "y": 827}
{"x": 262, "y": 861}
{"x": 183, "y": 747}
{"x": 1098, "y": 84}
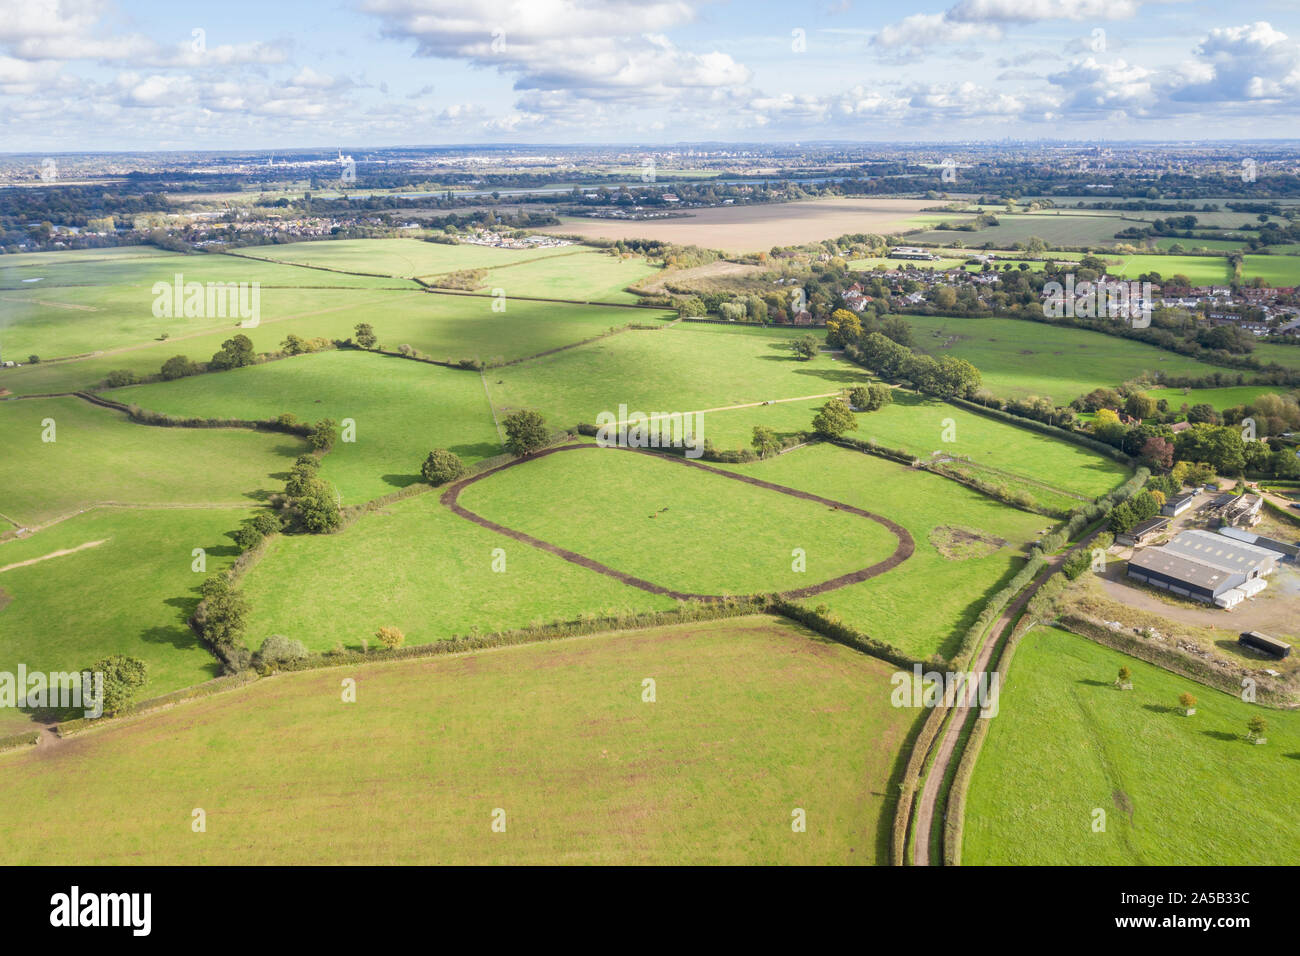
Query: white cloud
{"x": 583, "y": 49}
{"x": 973, "y": 20}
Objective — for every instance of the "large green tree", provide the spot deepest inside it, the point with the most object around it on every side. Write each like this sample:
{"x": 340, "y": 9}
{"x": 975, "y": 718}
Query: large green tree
{"x": 834, "y": 419}
{"x": 525, "y": 432}
{"x": 122, "y": 677}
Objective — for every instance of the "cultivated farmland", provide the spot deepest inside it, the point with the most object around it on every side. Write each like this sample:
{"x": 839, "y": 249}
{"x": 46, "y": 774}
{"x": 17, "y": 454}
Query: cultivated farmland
{"x": 756, "y": 228}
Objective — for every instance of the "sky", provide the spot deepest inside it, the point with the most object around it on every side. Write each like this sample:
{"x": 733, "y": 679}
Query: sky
{"x": 79, "y": 75}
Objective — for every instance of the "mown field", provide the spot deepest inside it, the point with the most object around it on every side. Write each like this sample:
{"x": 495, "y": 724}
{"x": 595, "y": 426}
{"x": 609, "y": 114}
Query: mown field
{"x": 100, "y": 456}
{"x": 676, "y": 526}
{"x": 130, "y": 593}
{"x": 1175, "y": 790}
{"x": 1019, "y": 358}
{"x": 555, "y": 735}
{"x": 926, "y": 604}
{"x": 401, "y": 409}
{"x": 1200, "y": 270}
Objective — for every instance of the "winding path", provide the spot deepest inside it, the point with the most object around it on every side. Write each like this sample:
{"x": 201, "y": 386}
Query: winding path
{"x": 906, "y": 546}
{"x": 928, "y": 800}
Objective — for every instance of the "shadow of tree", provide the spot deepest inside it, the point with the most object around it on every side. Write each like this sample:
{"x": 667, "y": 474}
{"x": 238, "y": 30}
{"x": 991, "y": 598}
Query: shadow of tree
{"x": 1221, "y": 735}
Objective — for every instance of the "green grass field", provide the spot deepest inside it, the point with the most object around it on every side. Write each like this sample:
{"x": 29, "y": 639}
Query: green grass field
{"x": 1220, "y": 398}
{"x": 1200, "y": 270}
{"x": 447, "y": 327}
{"x": 1064, "y": 229}
{"x": 1176, "y": 790}
{"x": 555, "y": 735}
{"x": 689, "y": 367}
{"x": 1213, "y": 245}
{"x": 1287, "y": 356}
{"x": 677, "y": 526}
{"x": 581, "y": 277}
{"x": 402, "y": 410}
{"x": 1280, "y": 271}
{"x": 59, "y": 323}
{"x": 139, "y": 273}
{"x": 399, "y": 257}
{"x": 926, "y": 604}
{"x": 432, "y": 575}
{"x": 143, "y": 585}
{"x": 1019, "y": 358}
{"x": 919, "y": 425}
{"x": 100, "y": 456}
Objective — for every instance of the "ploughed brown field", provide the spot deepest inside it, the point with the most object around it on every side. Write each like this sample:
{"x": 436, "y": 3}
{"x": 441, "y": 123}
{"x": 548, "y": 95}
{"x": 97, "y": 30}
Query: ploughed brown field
{"x": 740, "y": 229}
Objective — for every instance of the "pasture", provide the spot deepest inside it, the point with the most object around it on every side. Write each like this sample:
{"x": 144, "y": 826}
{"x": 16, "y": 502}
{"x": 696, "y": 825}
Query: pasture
{"x": 401, "y": 410}
{"x": 923, "y": 426}
{"x": 676, "y": 526}
{"x": 1219, "y": 398}
{"x": 58, "y": 323}
{"x": 1176, "y": 790}
{"x": 1212, "y": 245}
{"x": 446, "y": 327}
{"x": 131, "y": 593}
{"x": 581, "y": 277}
{"x": 1057, "y": 227}
{"x": 437, "y": 580}
{"x": 98, "y": 456}
{"x": 1287, "y": 356}
{"x": 924, "y": 606}
{"x": 404, "y": 258}
{"x": 688, "y": 367}
{"x": 1018, "y": 358}
{"x": 758, "y": 227}
{"x": 1199, "y": 270}
{"x": 753, "y": 718}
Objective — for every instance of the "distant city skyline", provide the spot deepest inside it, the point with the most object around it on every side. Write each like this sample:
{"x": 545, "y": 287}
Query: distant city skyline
{"x": 139, "y": 75}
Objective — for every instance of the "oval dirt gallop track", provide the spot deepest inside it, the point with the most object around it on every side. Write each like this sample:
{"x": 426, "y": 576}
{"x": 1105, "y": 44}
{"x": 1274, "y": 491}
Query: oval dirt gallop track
{"x": 450, "y": 498}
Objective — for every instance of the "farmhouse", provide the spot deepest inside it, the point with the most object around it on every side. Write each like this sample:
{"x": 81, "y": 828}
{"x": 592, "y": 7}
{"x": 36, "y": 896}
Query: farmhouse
{"x": 1203, "y": 566}
{"x": 1177, "y": 505}
{"x": 1142, "y": 532}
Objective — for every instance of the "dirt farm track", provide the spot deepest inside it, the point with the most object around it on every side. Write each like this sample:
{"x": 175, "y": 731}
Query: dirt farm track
{"x": 906, "y": 546}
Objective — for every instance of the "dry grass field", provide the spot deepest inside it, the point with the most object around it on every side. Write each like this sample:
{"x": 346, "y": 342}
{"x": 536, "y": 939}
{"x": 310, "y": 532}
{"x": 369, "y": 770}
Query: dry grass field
{"x": 740, "y": 229}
